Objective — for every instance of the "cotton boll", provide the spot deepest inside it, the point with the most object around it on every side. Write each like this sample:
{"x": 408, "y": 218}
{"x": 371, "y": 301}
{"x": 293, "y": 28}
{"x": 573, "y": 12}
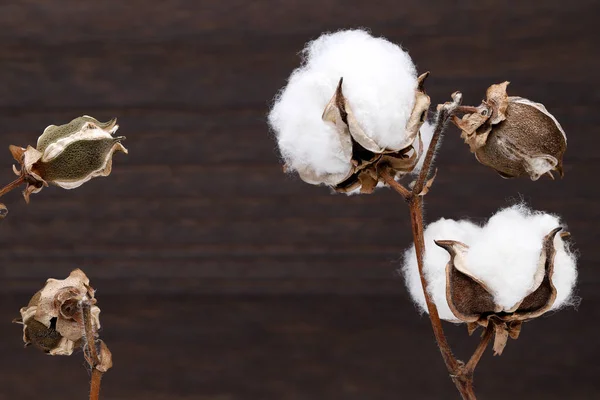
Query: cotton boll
{"x": 305, "y": 140}
{"x": 379, "y": 85}
{"x": 379, "y": 81}
{"x": 503, "y": 254}
{"x": 435, "y": 263}
{"x": 506, "y": 253}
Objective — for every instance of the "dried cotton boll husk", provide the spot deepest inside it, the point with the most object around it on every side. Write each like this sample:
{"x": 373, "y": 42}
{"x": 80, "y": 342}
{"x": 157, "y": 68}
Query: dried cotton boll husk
{"x": 354, "y": 104}
{"x": 53, "y": 319}
{"x": 513, "y": 269}
{"x": 68, "y": 155}
{"x": 514, "y": 136}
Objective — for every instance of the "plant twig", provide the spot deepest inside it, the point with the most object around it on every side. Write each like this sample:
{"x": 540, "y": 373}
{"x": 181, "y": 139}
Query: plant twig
{"x": 13, "y": 185}
{"x": 483, "y": 343}
{"x": 93, "y": 359}
{"x": 443, "y": 116}
{"x": 467, "y": 109}
{"x": 461, "y": 375}
{"x": 95, "y": 384}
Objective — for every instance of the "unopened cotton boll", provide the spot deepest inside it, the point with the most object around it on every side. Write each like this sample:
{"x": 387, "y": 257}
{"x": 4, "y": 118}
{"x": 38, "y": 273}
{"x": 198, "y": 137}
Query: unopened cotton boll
{"x": 68, "y": 155}
{"x": 353, "y": 104}
{"x": 513, "y": 135}
{"x": 504, "y": 254}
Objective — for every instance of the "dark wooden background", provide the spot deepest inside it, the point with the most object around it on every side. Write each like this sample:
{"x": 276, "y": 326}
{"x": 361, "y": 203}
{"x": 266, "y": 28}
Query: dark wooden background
{"x": 221, "y": 278}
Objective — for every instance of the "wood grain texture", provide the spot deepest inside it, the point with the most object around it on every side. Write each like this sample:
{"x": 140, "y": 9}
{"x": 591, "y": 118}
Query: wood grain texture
{"x": 321, "y": 347}
{"x": 199, "y": 222}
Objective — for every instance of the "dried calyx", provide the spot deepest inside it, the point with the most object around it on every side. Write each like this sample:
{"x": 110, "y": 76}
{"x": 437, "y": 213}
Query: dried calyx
{"x": 367, "y": 156}
{"x": 54, "y": 319}
{"x": 472, "y": 301}
{"x": 68, "y": 155}
{"x": 513, "y": 135}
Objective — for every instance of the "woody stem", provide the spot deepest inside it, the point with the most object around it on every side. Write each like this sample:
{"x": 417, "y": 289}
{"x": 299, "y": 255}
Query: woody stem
{"x": 13, "y": 185}
{"x": 483, "y": 343}
{"x": 467, "y": 109}
{"x": 95, "y": 384}
{"x": 416, "y": 218}
{"x": 92, "y": 359}
{"x": 414, "y": 198}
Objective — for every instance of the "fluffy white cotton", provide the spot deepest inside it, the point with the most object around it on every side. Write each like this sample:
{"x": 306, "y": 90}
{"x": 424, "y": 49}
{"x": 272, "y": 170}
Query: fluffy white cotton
{"x": 436, "y": 259}
{"x": 504, "y": 254}
{"x": 379, "y": 84}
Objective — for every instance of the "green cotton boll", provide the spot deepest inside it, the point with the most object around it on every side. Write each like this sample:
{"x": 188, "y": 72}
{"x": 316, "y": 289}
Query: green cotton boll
{"x": 79, "y": 162}
{"x": 54, "y": 133}
{"x": 68, "y": 155}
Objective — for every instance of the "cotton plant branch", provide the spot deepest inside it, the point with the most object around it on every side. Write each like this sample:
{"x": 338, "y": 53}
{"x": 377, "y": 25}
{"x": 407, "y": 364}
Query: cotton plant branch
{"x": 99, "y": 361}
{"x": 63, "y": 315}
{"x": 371, "y": 133}
{"x": 462, "y": 376}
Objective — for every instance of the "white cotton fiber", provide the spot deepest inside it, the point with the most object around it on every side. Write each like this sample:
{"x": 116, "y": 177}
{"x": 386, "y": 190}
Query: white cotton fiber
{"x": 379, "y": 84}
{"x": 504, "y": 254}
{"x": 436, "y": 259}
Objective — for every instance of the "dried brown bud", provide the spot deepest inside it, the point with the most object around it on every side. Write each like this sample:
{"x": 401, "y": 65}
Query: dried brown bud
{"x": 366, "y": 155}
{"x": 513, "y": 135}
{"x": 53, "y": 319}
{"x": 68, "y": 155}
{"x": 471, "y": 300}
{"x": 105, "y": 358}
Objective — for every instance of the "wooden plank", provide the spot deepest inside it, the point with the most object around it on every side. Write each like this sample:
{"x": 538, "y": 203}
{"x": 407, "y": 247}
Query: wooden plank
{"x": 318, "y": 347}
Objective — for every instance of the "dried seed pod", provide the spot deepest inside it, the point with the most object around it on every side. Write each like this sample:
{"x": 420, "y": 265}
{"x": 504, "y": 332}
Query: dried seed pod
{"x": 513, "y": 135}
{"x": 68, "y": 155}
{"x": 472, "y": 301}
{"x": 53, "y": 320}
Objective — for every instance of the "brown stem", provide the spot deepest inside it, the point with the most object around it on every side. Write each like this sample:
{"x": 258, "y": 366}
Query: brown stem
{"x": 92, "y": 358}
{"x": 483, "y": 343}
{"x": 13, "y": 185}
{"x": 440, "y": 124}
{"x": 464, "y": 381}
{"x": 461, "y": 375}
{"x": 397, "y": 186}
{"x": 467, "y": 109}
{"x": 416, "y": 219}
{"x": 95, "y": 384}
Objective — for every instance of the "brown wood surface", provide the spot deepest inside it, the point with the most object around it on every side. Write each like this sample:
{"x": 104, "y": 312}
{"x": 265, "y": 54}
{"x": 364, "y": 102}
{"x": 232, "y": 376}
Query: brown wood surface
{"x": 221, "y": 277}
